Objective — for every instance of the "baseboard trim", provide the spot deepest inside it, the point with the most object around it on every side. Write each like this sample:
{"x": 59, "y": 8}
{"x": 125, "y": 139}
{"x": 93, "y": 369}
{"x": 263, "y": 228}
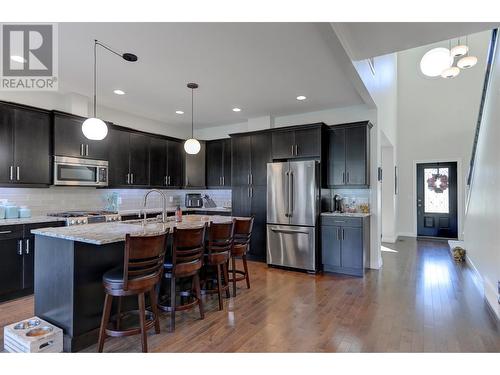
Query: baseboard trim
{"x": 488, "y": 291}
{"x": 406, "y": 234}
{"x": 389, "y": 239}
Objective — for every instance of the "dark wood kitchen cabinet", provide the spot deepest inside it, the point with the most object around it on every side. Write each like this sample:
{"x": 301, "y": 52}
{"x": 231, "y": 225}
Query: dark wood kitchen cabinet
{"x": 250, "y": 155}
{"x": 17, "y": 259}
{"x": 70, "y": 141}
{"x": 195, "y": 168}
{"x": 349, "y": 155}
{"x": 300, "y": 142}
{"x": 345, "y": 244}
{"x": 25, "y": 157}
{"x": 218, "y": 163}
{"x": 165, "y": 166}
{"x": 128, "y": 158}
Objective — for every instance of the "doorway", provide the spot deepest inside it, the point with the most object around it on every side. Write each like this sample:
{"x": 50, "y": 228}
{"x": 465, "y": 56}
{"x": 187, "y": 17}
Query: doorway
{"x": 437, "y": 200}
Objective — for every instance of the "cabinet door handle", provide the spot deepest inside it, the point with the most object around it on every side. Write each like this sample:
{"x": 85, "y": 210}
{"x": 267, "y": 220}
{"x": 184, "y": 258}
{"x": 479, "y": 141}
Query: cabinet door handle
{"x": 251, "y": 179}
{"x": 296, "y": 150}
{"x": 11, "y": 172}
{"x": 132, "y": 178}
{"x": 86, "y": 150}
{"x": 248, "y": 192}
{"x": 337, "y": 230}
{"x": 347, "y": 177}
{"x": 343, "y": 177}
{"x": 343, "y": 234}
{"x": 5, "y": 231}
{"x": 81, "y": 149}
{"x": 27, "y": 246}
{"x": 128, "y": 178}
{"x": 248, "y": 179}
{"x": 220, "y": 181}
{"x": 223, "y": 181}
{"x": 168, "y": 180}
{"x": 20, "y": 247}
{"x": 17, "y": 173}
{"x": 292, "y": 151}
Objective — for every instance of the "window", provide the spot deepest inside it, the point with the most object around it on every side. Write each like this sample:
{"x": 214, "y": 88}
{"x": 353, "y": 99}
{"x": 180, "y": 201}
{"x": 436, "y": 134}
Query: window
{"x": 437, "y": 197}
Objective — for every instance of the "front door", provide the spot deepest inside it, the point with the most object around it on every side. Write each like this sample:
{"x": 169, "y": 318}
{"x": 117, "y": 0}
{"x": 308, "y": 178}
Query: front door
{"x": 437, "y": 200}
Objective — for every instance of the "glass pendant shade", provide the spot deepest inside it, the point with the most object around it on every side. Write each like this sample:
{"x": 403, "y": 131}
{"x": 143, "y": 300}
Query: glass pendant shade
{"x": 192, "y": 146}
{"x": 450, "y": 72}
{"x": 467, "y": 62}
{"x": 459, "y": 51}
{"x": 435, "y": 61}
{"x": 94, "y": 129}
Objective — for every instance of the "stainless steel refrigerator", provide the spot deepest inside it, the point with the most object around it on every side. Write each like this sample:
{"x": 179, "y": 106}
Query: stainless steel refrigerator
{"x": 293, "y": 199}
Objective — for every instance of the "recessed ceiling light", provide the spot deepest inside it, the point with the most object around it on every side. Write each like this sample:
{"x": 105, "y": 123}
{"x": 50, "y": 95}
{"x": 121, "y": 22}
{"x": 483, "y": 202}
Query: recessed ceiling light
{"x": 18, "y": 59}
{"x": 119, "y": 92}
{"x": 179, "y": 112}
{"x": 236, "y": 109}
{"x": 301, "y": 97}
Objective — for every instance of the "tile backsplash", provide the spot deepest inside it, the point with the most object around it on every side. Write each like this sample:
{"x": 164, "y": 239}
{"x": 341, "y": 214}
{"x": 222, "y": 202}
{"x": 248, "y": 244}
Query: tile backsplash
{"x": 356, "y": 196}
{"x": 58, "y": 198}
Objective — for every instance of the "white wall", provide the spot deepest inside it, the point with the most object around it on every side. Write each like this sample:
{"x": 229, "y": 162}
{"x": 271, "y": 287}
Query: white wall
{"x": 482, "y": 222}
{"x": 436, "y": 121}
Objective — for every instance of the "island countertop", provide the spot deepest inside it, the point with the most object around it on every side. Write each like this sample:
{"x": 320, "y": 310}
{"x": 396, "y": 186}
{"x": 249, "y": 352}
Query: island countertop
{"x": 105, "y": 233}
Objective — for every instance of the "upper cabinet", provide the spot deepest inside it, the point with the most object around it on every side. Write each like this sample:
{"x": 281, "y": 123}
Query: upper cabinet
{"x": 218, "y": 163}
{"x": 166, "y": 164}
{"x": 297, "y": 143}
{"x": 250, "y": 155}
{"x": 70, "y": 141}
{"x": 348, "y": 155}
{"x": 128, "y": 158}
{"x": 24, "y": 145}
{"x": 195, "y": 168}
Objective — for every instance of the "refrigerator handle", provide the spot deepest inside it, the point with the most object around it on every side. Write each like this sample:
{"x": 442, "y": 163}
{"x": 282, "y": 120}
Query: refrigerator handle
{"x": 290, "y": 194}
{"x": 287, "y": 193}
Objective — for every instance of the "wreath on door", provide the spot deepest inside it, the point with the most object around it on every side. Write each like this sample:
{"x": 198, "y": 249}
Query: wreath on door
{"x": 438, "y": 183}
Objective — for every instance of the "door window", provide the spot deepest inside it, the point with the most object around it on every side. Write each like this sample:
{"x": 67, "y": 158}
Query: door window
{"x": 436, "y": 196}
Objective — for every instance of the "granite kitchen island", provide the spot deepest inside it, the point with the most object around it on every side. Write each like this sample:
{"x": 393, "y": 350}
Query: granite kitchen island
{"x": 69, "y": 264}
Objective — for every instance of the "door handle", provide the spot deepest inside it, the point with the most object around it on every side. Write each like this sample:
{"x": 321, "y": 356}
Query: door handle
{"x": 223, "y": 181}
{"x": 338, "y": 234}
{"x": 343, "y": 234}
{"x": 290, "y": 195}
{"x": 81, "y": 149}
{"x": 290, "y": 231}
{"x": 86, "y": 150}
{"x": 220, "y": 181}
{"x": 128, "y": 178}
{"x": 292, "y": 151}
{"x": 17, "y": 173}
{"x": 296, "y": 150}
{"x": 5, "y": 231}
{"x": 168, "y": 180}
{"x": 248, "y": 192}
{"x": 347, "y": 177}
{"x": 132, "y": 178}
{"x": 20, "y": 247}
{"x": 287, "y": 212}
{"x": 248, "y": 179}
{"x": 251, "y": 179}
{"x": 165, "y": 181}
{"x": 27, "y": 246}
{"x": 343, "y": 177}
{"x": 11, "y": 172}
{"x": 251, "y": 192}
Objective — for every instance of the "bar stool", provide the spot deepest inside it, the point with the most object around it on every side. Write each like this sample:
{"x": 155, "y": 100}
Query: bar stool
{"x": 242, "y": 235}
{"x": 140, "y": 273}
{"x": 187, "y": 259}
{"x": 220, "y": 242}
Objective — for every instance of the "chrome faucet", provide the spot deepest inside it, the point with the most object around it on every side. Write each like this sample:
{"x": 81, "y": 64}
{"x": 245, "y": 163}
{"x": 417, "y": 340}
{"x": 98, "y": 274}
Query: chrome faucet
{"x": 164, "y": 199}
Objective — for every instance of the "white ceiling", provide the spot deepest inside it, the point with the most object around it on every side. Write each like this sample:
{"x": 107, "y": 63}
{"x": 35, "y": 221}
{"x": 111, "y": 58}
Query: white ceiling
{"x": 259, "y": 67}
{"x": 370, "y": 39}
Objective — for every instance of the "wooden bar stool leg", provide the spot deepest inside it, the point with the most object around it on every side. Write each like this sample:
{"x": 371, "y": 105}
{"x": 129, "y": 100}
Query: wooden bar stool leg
{"x": 172, "y": 303}
{"x": 245, "y": 267}
{"x": 108, "y": 300}
{"x": 226, "y": 279}
{"x": 219, "y": 286}
{"x": 119, "y": 314}
{"x": 198, "y": 295}
{"x": 154, "y": 307}
{"x": 142, "y": 319}
{"x": 233, "y": 261}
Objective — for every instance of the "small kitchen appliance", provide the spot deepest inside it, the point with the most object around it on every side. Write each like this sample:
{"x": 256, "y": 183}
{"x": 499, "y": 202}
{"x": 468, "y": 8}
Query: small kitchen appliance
{"x": 193, "y": 200}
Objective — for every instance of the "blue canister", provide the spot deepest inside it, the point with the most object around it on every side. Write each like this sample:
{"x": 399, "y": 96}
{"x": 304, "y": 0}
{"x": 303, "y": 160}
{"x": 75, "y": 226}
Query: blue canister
{"x": 2, "y": 212}
{"x": 24, "y": 212}
{"x": 11, "y": 211}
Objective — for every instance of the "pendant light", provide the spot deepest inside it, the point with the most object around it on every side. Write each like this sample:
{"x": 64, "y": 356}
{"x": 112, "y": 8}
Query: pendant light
{"x": 450, "y": 72}
{"x": 94, "y": 128}
{"x": 467, "y": 62}
{"x": 460, "y": 49}
{"x": 192, "y": 146}
{"x": 435, "y": 61}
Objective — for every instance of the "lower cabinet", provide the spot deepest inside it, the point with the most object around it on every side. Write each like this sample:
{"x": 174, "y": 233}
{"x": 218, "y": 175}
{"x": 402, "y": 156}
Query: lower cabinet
{"x": 345, "y": 244}
{"x": 17, "y": 259}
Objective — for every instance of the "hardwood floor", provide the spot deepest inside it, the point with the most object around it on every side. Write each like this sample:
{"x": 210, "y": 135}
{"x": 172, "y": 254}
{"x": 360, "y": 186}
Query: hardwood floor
{"x": 421, "y": 301}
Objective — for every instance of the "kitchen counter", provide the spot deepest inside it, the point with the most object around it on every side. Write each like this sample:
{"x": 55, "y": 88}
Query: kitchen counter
{"x": 172, "y": 209}
{"x": 105, "y": 233}
{"x": 346, "y": 214}
{"x": 30, "y": 220}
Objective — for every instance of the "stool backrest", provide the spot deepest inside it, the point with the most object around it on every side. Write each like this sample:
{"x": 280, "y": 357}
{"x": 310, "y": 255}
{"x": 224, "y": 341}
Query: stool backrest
{"x": 189, "y": 244}
{"x": 220, "y": 237}
{"x": 243, "y": 230}
{"x": 143, "y": 260}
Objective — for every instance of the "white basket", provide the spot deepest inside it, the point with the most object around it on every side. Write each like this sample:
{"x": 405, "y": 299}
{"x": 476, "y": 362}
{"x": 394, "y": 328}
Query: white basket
{"x": 33, "y": 336}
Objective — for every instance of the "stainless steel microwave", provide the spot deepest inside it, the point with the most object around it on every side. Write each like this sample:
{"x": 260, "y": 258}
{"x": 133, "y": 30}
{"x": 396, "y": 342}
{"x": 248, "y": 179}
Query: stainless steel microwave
{"x": 80, "y": 172}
